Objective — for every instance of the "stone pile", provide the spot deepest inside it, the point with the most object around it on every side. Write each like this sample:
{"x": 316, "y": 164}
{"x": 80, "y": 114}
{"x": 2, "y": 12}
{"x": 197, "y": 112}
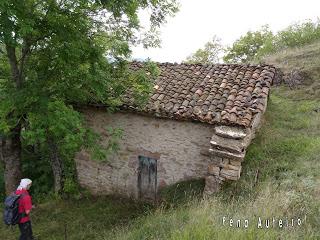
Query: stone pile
{"x": 227, "y": 152}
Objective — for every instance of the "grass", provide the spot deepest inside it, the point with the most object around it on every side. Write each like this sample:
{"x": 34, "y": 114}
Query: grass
{"x": 286, "y": 153}
{"x": 306, "y": 60}
{"x": 88, "y": 218}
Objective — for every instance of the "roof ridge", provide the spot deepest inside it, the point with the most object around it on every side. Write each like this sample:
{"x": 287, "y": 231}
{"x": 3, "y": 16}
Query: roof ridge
{"x": 207, "y": 64}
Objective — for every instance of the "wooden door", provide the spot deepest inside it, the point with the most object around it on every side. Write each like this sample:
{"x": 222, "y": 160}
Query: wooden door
{"x": 147, "y": 178}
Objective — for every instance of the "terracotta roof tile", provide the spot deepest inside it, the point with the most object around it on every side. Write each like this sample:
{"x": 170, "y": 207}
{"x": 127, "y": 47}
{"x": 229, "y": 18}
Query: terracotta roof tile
{"x": 224, "y": 93}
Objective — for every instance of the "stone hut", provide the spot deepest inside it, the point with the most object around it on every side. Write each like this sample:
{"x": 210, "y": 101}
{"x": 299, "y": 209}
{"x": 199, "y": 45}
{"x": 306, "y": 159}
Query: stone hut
{"x": 198, "y": 123}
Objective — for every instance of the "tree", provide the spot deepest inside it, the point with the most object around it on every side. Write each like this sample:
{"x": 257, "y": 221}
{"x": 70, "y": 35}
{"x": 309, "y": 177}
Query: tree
{"x": 250, "y": 46}
{"x": 55, "y": 53}
{"x": 209, "y": 54}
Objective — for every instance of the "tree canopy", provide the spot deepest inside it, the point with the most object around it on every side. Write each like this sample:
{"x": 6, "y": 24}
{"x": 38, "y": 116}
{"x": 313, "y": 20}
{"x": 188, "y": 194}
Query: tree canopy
{"x": 210, "y": 53}
{"x": 249, "y": 46}
{"x": 55, "y": 53}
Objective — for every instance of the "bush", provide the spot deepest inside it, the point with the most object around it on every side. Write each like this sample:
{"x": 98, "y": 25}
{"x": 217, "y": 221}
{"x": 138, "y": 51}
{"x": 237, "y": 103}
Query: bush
{"x": 255, "y": 45}
{"x": 248, "y": 46}
{"x": 211, "y": 53}
{"x": 298, "y": 34}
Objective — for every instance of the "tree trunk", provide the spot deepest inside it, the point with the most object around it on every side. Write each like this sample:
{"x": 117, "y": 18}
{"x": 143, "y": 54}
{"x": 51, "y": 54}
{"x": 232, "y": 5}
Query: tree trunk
{"x": 11, "y": 155}
{"x": 56, "y": 165}
{"x": 15, "y": 72}
{"x": 11, "y": 146}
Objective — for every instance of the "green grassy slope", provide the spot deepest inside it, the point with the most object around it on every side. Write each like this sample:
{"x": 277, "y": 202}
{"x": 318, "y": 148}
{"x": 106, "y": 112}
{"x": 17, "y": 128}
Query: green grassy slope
{"x": 305, "y": 59}
{"x": 286, "y": 153}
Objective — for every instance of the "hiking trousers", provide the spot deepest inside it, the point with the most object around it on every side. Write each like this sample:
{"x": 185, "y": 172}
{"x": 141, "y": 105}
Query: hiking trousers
{"x": 26, "y": 231}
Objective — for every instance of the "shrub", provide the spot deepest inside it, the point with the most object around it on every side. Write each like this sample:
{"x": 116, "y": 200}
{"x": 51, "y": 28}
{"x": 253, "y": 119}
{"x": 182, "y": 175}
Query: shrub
{"x": 298, "y": 34}
{"x": 249, "y": 46}
{"x": 255, "y": 45}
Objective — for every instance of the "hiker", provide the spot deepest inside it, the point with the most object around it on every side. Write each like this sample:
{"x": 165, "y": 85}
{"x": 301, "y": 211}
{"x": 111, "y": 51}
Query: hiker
{"x": 25, "y": 206}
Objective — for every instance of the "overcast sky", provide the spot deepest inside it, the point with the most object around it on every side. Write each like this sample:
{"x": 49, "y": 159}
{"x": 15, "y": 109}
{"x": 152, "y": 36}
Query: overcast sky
{"x": 198, "y": 20}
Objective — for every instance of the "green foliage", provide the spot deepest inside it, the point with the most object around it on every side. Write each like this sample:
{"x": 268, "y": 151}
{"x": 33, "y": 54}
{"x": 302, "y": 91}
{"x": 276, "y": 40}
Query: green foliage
{"x": 209, "y": 54}
{"x": 101, "y": 153}
{"x": 255, "y": 45}
{"x": 36, "y": 166}
{"x": 57, "y": 120}
{"x": 143, "y": 83}
{"x": 57, "y": 54}
{"x": 249, "y": 46}
{"x": 298, "y": 34}
{"x": 62, "y": 125}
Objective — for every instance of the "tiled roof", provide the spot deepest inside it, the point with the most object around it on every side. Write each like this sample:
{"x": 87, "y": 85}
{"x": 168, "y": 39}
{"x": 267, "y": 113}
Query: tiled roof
{"x": 227, "y": 94}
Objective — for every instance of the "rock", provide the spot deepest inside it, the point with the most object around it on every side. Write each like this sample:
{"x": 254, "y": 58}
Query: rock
{"x": 232, "y": 167}
{"x": 212, "y": 185}
{"x": 229, "y": 144}
{"x": 205, "y": 152}
{"x": 230, "y": 174}
{"x": 238, "y": 156}
{"x": 235, "y": 162}
{"x": 230, "y": 132}
{"x": 213, "y": 169}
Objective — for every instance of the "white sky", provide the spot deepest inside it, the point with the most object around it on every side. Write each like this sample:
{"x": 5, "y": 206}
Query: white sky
{"x": 198, "y": 20}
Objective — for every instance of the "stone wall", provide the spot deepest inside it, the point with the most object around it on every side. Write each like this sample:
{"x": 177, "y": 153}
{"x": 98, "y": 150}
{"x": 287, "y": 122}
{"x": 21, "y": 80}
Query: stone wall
{"x": 181, "y": 148}
{"x": 228, "y": 150}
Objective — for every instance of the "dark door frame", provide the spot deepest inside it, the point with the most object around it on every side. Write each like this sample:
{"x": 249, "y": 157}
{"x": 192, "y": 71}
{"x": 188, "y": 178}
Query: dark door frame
{"x": 140, "y": 194}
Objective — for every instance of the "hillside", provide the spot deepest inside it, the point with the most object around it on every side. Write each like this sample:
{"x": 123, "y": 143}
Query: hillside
{"x": 280, "y": 179}
{"x": 304, "y": 60}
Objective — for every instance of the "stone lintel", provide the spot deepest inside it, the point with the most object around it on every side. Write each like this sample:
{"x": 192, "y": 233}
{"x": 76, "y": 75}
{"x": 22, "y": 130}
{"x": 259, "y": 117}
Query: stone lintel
{"x": 237, "y": 156}
{"x": 231, "y": 132}
{"x": 229, "y": 144}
